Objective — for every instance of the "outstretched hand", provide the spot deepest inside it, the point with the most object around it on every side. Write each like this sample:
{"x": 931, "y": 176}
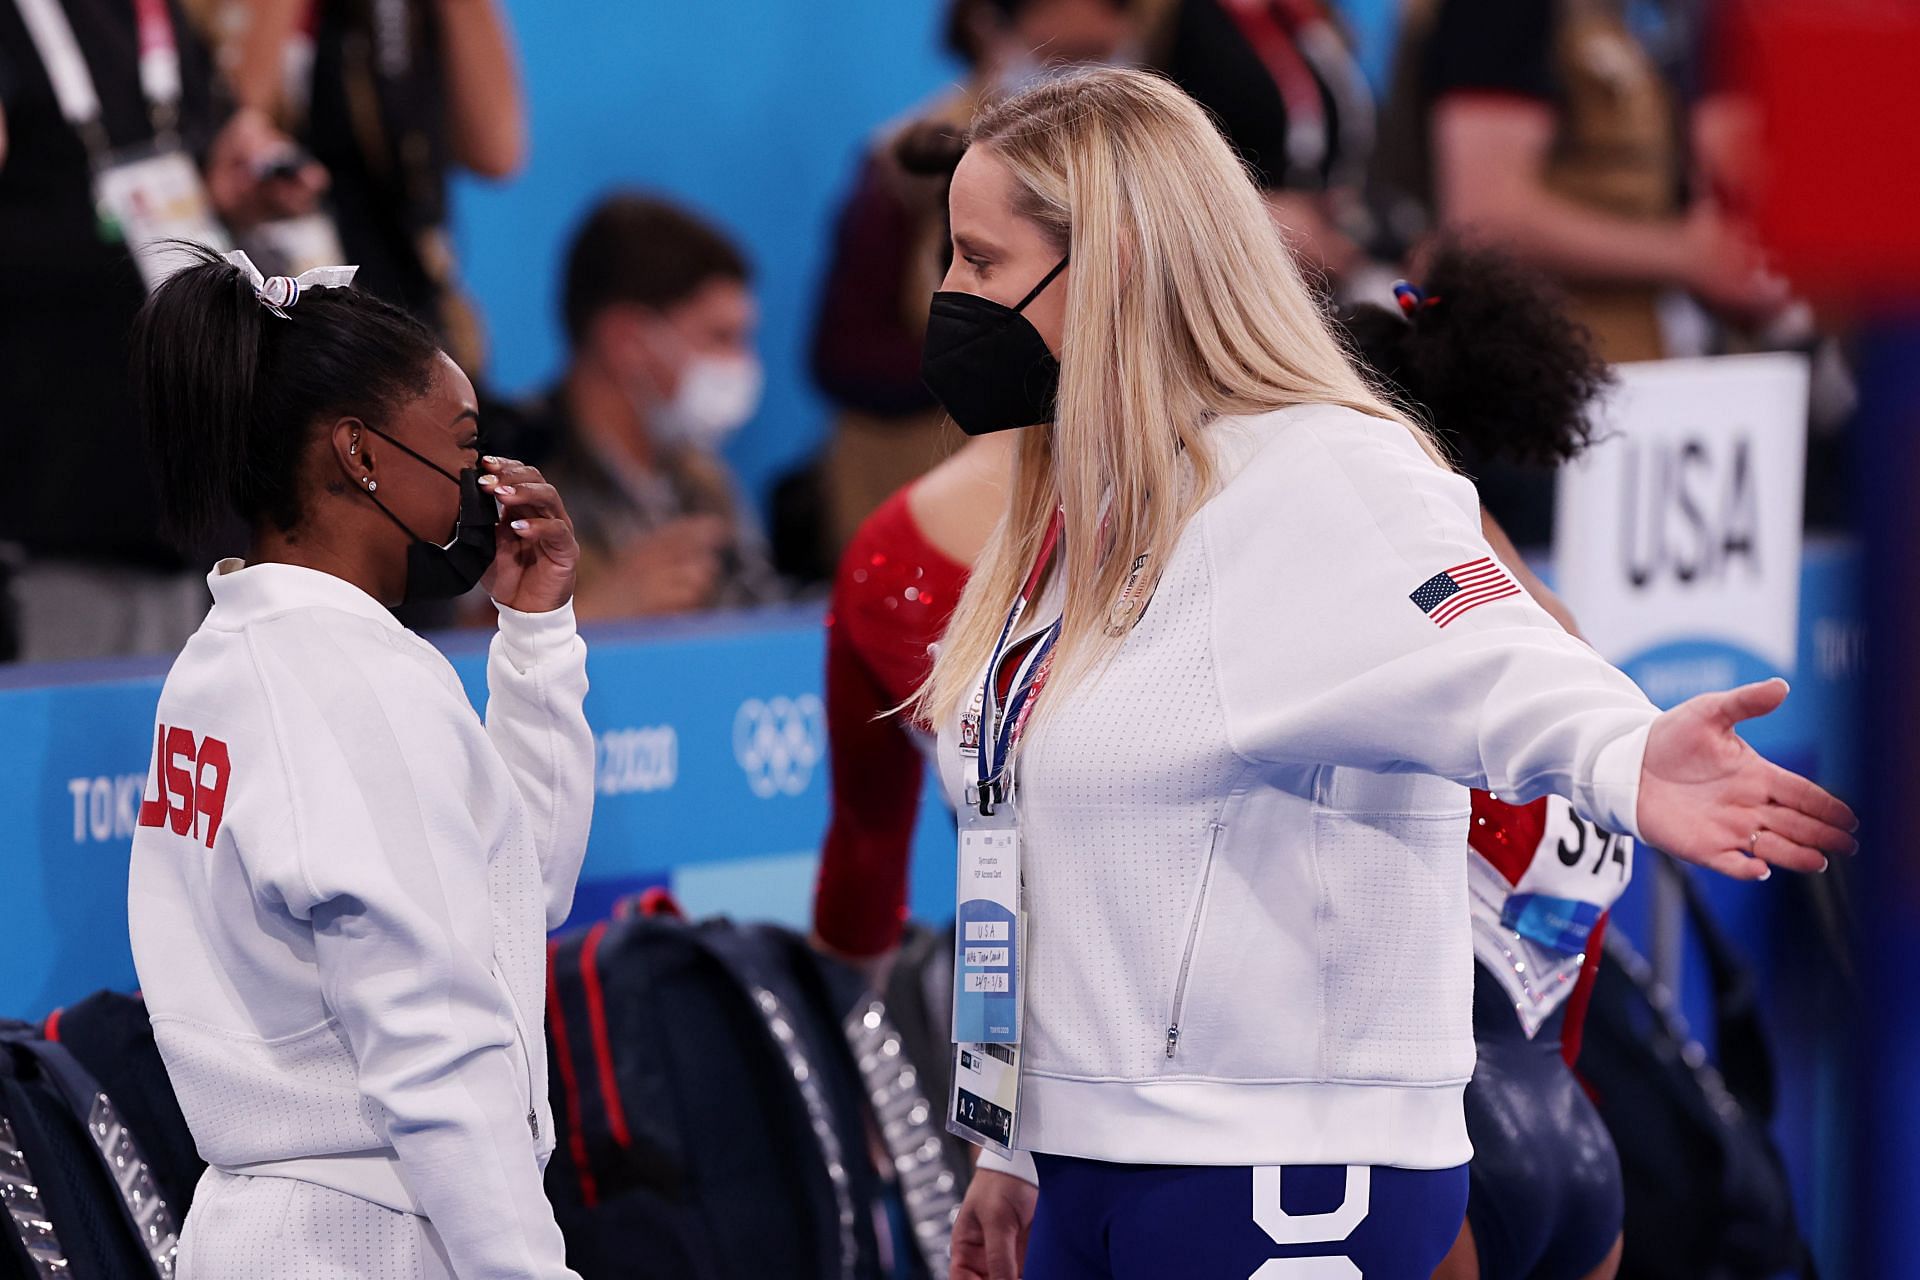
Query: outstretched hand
{"x": 1707, "y": 797}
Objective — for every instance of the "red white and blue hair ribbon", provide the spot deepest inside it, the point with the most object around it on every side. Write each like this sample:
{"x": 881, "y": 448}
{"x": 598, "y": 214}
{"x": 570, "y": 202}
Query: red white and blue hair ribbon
{"x": 277, "y": 293}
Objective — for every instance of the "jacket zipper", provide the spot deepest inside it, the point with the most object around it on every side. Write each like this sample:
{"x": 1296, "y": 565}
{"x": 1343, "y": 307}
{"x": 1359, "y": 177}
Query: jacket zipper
{"x": 526, "y": 1059}
{"x": 1193, "y": 938}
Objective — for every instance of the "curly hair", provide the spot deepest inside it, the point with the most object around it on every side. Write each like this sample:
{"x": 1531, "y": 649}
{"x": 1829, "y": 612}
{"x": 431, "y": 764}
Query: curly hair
{"x": 1491, "y": 358}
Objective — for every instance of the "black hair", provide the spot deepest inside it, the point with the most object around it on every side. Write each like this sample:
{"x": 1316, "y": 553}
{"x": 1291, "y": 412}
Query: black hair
{"x": 1491, "y": 359}
{"x": 640, "y": 249}
{"x": 930, "y": 148}
{"x": 958, "y": 35}
{"x": 230, "y": 393}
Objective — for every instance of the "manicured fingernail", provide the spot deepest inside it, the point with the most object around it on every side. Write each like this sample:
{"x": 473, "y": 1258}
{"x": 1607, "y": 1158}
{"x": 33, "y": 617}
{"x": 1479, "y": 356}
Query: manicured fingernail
{"x": 489, "y": 480}
{"x": 520, "y": 525}
{"x": 1825, "y": 863}
{"x": 504, "y": 489}
{"x": 491, "y": 461}
{"x": 1766, "y": 873}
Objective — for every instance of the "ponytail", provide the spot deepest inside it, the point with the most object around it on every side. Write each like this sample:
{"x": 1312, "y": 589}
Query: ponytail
{"x": 231, "y": 394}
{"x": 1486, "y": 352}
{"x": 196, "y": 350}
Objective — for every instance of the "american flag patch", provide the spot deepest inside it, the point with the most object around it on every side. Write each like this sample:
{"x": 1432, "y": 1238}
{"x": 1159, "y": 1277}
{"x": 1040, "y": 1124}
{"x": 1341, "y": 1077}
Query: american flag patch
{"x": 1445, "y": 596}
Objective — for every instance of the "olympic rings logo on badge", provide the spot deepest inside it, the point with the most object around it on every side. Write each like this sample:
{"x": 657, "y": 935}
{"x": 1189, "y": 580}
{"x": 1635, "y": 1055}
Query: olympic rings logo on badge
{"x": 779, "y": 742}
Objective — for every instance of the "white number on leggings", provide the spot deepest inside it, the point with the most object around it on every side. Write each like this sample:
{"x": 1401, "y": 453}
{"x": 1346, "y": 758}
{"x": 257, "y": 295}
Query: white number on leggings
{"x": 1310, "y": 1228}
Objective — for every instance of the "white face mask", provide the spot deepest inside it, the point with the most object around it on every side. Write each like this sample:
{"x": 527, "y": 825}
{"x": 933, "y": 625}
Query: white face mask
{"x": 717, "y": 395}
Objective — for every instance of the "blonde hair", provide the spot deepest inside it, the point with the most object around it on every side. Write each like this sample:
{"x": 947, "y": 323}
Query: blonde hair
{"x": 1182, "y": 304}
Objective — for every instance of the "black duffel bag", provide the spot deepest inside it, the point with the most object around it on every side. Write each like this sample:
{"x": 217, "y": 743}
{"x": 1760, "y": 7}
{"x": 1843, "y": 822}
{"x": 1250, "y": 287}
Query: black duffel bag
{"x": 77, "y": 1197}
{"x": 1707, "y": 1196}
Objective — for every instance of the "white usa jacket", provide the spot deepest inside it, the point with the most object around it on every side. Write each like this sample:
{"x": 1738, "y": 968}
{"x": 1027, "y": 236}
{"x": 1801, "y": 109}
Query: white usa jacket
{"x": 1244, "y": 840}
{"x": 341, "y": 889}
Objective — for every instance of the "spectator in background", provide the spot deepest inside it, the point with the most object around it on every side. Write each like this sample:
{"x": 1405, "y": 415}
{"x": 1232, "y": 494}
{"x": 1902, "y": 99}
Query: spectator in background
{"x": 889, "y": 253}
{"x": 1556, "y": 132}
{"x": 660, "y": 318}
{"x": 391, "y": 96}
{"x": 1281, "y": 79}
{"x": 91, "y": 575}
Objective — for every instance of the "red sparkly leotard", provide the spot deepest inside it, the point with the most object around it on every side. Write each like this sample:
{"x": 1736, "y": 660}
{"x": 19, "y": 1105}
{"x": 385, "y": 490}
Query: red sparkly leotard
{"x": 891, "y": 601}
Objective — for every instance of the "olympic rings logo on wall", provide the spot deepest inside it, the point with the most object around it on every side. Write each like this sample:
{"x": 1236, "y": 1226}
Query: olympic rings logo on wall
{"x": 779, "y": 742}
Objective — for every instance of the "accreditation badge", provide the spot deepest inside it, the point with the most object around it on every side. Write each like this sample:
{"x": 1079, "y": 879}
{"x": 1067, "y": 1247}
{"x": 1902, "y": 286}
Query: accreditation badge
{"x": 150, "y": 196}
{"x": 986, "y": 1095}
{"x": 988, "y": 938}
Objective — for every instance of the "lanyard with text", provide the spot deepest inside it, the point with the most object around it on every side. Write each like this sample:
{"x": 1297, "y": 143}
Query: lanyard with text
{"x": 149, "y": 196}
{"x": 990, "y": 924}
{"x": 1001, "y": 723}
{"x": 66, "y": 66}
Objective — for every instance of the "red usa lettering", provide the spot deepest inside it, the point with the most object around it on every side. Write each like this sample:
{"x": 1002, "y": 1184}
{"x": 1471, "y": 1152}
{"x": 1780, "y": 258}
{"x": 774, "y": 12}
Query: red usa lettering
{"x": 190, "y": 778}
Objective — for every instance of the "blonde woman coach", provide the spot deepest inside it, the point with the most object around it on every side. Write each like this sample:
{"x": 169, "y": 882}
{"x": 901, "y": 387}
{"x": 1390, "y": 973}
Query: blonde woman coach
{"x": 1212, "y": 700}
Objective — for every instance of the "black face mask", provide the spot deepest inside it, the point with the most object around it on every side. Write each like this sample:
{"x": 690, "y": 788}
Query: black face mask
{"x": 987, "y": 364}
{"x": 444, "y": 572}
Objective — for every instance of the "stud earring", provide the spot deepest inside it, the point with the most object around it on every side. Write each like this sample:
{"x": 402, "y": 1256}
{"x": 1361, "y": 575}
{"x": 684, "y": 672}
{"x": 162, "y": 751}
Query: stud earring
{"x": 372, "y": 484}
{"x": 355, "y": 446}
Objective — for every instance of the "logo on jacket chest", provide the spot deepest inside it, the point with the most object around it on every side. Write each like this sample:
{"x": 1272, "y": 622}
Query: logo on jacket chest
{"x": 189, "y": 782}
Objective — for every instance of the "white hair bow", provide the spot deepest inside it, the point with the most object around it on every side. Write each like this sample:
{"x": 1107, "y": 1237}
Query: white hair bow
{"x": 277, "y": 293}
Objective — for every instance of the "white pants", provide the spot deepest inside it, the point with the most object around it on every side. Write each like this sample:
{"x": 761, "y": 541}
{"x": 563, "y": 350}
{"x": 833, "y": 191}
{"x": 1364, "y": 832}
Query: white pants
{"x": 242, "y": 1228}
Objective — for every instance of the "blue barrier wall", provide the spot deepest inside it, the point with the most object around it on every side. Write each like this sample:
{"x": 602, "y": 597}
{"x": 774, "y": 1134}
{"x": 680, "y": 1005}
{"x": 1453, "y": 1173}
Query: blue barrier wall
{"x": 711, "y": 780}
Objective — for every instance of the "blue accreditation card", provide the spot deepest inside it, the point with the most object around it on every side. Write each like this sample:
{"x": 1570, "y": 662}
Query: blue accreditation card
{"x": 986, "y": 936}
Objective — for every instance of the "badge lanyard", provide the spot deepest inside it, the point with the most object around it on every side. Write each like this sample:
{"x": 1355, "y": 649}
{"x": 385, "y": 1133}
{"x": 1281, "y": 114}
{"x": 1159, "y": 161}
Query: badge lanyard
{"x": 53, "y": 37}
{"x": 1001, "y": 727}
{"x": 146, "y": 197}
{"x": 990, "y": 934}
{"x": 990, "y": 924}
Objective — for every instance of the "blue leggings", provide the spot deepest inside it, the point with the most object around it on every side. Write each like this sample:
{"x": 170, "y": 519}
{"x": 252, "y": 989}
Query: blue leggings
{"x": 1100, "y": 1221}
